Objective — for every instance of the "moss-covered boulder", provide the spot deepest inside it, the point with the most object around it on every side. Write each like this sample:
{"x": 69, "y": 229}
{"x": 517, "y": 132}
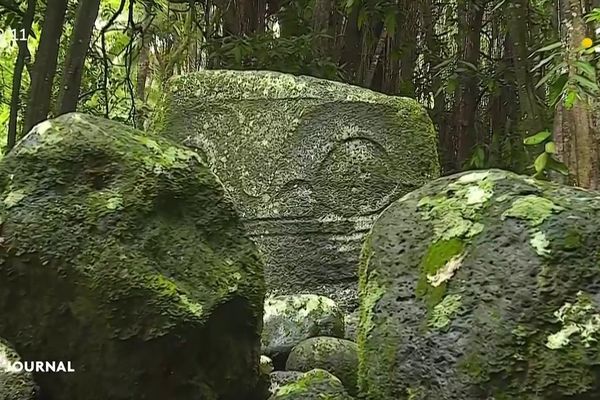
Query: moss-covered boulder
{"x": 310, "y": 163}
{"x": 121, "y": 253}
{"x": 282, "y": 378}
{"x": 316, "y": 384}
{"x": 483, "y": 285}
{"x": 290, "y": 319}
{"x": 15, "y": 384}
{"x": 337, "y": 356}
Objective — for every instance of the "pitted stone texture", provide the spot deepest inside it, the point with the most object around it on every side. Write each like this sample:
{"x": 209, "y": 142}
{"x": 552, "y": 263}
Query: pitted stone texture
{"x": 290, "y": 319}
{"x": 337, "y": 356}
{"x": 309, "y": 163}
{"x": 282, "y": 378}
{"x": 14, "y": 385}
{"x": 316, "y": 384}
{"x": 120, "y": 252}
{"x": 483, "y": 285}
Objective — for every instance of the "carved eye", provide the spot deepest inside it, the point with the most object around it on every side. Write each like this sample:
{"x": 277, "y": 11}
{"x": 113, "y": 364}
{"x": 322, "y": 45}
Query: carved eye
{"x": 354, "y": 177}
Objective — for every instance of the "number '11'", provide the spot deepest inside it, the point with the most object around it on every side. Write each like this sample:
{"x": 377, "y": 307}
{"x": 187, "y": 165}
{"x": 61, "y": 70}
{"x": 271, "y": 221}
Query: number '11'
{"x": 19, "y": 35}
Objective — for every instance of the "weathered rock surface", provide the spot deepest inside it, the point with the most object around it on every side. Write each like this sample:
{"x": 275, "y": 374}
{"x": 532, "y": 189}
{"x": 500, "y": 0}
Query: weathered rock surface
{"x": 313, "y": 385}
{"x": 121, "y": 253}
{"x": 337, "y": 356}
{"x": 351, "y": 322}
{"x": 14, "y": 385}
{"x": 483, "y": 285}
{"x": 282, "y": 378}
{"x": 290, "y": 319}
{"x": 310, "y": 163}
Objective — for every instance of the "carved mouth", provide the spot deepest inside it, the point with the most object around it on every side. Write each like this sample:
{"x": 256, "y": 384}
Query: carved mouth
{"x": 335, "y": 227}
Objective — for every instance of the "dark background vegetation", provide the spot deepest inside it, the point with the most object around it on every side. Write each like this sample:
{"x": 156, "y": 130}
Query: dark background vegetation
{"x": 492, "y": 73}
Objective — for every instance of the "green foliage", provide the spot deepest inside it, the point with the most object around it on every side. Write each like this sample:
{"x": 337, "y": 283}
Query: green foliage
{"x": 545, "y": 162}
{"x": 296, "y": 54}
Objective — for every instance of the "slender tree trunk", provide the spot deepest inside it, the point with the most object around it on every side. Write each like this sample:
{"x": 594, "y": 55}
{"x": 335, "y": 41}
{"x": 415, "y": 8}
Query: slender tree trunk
{"x": 242, "y": 17}
{"x": 407, "y": 39}
{"x": 22, "y": 59}
{"x": 377, "y": 55}
{"x": 143, "y": 70}
{"x": 470, "y": 15}
{"x": 518, "y": 28}
{"x": 350, "y": 50}
{"x": 321, "y": 25}
{"x": 44, "y": 67}
{"x": 576, "y": 129}
{"x": 87, "y": 12}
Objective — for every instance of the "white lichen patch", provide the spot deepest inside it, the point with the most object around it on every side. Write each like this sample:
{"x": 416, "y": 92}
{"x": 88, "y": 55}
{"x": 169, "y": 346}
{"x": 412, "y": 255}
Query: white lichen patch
{"x": 266, "y": 365}
{"x": 442, "y": 312}
{"x": 577, "y": 319}
{"x": 473, "y": 177}
{"x": 447, "y": 271}
{"x": 14, "y": 197}
{"x": 540, "y": 243}
{"x": 477, "y": 195}
{"x": 301, "y": 305}
{"x": 5, "y": 361}
{"x": 456, "y": 213}
{"x": 532, "y": 208}
{"x": 114, "y": 203}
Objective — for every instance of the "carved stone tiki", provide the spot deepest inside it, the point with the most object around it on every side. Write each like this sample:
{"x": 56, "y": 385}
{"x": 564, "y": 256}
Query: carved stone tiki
{"x": 310, "y": 164}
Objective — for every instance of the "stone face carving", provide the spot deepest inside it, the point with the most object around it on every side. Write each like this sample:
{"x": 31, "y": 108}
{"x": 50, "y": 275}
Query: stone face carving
{"x": 310, "y": 163}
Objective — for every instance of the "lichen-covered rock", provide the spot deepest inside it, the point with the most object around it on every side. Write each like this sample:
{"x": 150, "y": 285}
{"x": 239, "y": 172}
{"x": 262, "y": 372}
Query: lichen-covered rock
{"x": 483, "y": 285}
{"x": 337, "y": 356}
{"x": 309, "y": 163}
{"x": 351, "y": 324}
{"x": 282, "y": 378}
{"x": 14, "y": 384}
{"x": 316, "y": 384}
{"x": 290, "y": 319}
{"x": 120, "y": 252}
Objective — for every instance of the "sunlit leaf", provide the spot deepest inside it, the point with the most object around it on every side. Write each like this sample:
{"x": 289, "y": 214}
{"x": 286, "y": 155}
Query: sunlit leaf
{"x": 549, "y": 47}
{"x": 550, "y": 147}
{"x": 540, "y": 162}
{"x": 537, "y": 138}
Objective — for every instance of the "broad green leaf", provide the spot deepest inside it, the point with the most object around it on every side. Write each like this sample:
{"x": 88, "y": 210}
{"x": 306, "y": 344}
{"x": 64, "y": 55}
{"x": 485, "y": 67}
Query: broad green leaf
{"x": 557, "y": 88}
{"x": 587, "y": 69}
{"x": 586, "y": 83}
{"x": 390, "y": 22}
{"x": 570, "y": 99}
{"x": 550, "y": 147}
{"x": 540, "y": 162}
{"x": 537, "y": 138}
{"x": 551, "y": 74}
{"x": 544, "y": 62}
{"x": 558, "y": 166}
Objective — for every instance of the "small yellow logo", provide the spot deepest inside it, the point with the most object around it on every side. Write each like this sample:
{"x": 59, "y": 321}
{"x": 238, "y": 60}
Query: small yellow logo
{"x": 587, "y": 43}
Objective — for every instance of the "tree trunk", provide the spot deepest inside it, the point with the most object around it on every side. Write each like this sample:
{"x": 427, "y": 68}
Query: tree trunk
{"x": 87, "y": 12}
{"x": 576, "y": 129}
{"x": 408, "y": 31}
{"x": 143, "y": 70}
{"x": 350, "y": 49}
{"x": 470, "y": 14}
{"x": 22, "y": 59}
{"x": 242, "y": 17}
{"x": 518, "y": 28}
{"x": 321, "y": 25}
{"x": 44, "y": 67}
